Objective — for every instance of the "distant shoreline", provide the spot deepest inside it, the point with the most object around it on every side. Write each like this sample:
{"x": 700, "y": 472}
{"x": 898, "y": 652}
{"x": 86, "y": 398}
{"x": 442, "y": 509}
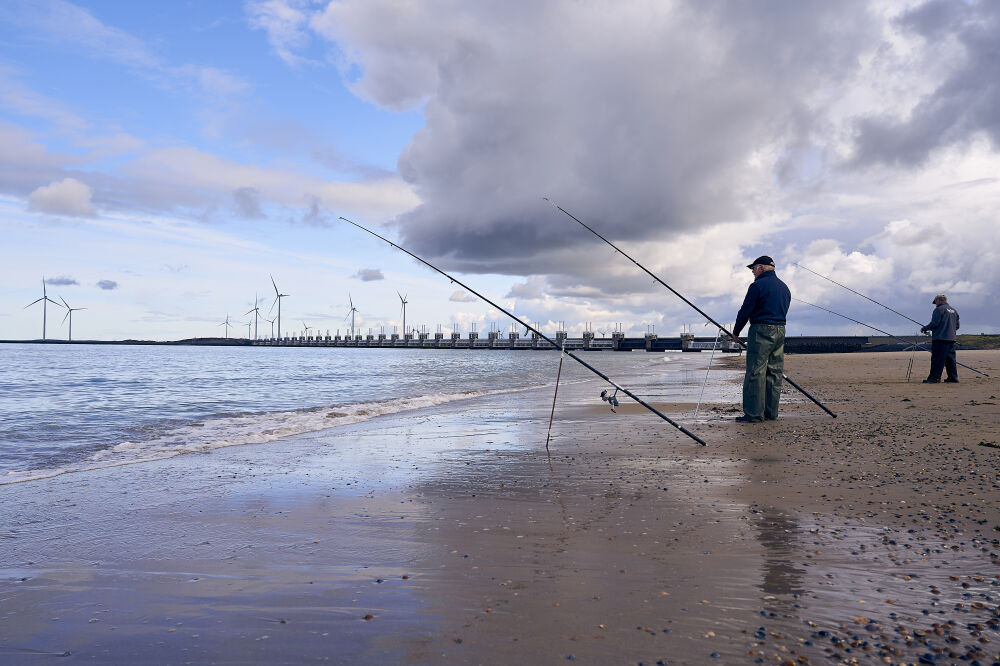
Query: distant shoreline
{"x": 793, "y": 344}
{"x": 205, "y": 342}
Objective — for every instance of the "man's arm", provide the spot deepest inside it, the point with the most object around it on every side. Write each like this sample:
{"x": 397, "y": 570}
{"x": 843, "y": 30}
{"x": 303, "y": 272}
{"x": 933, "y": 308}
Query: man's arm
{"x": 743, "y": 316}
{"x": 935, "y": 320}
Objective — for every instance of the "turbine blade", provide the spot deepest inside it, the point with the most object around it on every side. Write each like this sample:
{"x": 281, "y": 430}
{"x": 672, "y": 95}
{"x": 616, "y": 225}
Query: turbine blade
{"x": 33, "y": 302}
{"x": 65, "y": 303}
{"x": 273, "y": 284}
{"x": 66, "y": 316}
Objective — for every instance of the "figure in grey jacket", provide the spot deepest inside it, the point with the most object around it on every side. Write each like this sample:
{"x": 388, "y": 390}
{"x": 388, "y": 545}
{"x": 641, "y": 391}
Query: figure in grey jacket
{"x": 944, "y": 324}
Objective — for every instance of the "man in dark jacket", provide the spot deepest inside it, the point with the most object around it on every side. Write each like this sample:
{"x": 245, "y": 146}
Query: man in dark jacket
{"x": 765, "y": 307}
{"x": 943, "y": 326}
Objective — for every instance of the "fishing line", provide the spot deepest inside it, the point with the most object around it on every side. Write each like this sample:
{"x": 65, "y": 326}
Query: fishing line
{"x": 562, "y": 353}
{"x": 534, "y": 330}
{"x": 858, "y": 293}
{"x": 707, "y": 370}
{"x": 883, "y": 332}
{"x": 676, "y": 293}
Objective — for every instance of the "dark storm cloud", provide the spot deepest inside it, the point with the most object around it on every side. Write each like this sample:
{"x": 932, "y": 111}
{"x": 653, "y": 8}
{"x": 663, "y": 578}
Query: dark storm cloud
{"x": 964, "y": 105}
{"x": 645, "y": 116}
{"x": 107, "y": 285}
{"x": 369, "y": 274}
{"x": 61, "y": 281}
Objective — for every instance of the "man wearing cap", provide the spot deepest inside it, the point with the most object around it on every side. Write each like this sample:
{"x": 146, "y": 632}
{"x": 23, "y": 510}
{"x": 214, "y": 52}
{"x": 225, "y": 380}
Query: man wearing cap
{"x": 944, "y": 324}
{"x": 765, "y": 307}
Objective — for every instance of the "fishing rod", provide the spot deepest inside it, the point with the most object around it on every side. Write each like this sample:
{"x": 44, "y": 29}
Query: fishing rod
{"x": 876, "y": 303}
{"x": 676, "y": 293}
{"x": 909, "y": 342}
{"x": 536, "y": 332}
{"x": 858, "y": 293}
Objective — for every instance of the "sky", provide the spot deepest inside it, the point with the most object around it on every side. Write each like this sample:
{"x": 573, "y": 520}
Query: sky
{"x": 162, "y": 162}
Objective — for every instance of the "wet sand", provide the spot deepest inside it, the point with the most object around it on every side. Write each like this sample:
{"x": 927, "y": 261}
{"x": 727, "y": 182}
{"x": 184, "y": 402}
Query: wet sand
{"x": 450, "y": 536}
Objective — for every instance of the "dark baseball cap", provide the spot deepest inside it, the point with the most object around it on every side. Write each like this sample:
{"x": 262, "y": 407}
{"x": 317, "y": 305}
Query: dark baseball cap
{"x": 762, "y": 259}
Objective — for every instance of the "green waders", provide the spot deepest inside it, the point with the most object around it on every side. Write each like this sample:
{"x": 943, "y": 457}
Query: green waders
{"x": 765, "y": 365}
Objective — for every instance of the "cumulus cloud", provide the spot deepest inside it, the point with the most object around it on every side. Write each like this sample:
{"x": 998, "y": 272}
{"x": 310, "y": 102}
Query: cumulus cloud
{"x": 658, "y": 118}
{"x": 531, "y": 288}
{"x": 369, "y": 274}
{"x": 61, "y": 281}
{"x": 462, "y": 297}
{"x": 65, "y": 197}
{"x": 107, "y": 285}
{"x": 696, "y": 135}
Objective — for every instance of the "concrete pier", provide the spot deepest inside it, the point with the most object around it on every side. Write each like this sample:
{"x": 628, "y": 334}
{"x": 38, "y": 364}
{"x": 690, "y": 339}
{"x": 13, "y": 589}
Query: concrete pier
{"x": 617, "y": 342}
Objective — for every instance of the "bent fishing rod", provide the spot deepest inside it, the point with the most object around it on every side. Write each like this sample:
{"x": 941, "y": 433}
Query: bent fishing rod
{"x": 676, "y": 293}
{"x": 876, "y": 303}
{"x": 917, "y": 345}
{"x": 536, "y": 332}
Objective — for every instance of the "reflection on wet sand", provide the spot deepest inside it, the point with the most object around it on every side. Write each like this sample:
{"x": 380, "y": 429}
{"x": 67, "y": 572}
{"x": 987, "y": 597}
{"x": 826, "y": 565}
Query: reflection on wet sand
{"x": 781, "y": 583}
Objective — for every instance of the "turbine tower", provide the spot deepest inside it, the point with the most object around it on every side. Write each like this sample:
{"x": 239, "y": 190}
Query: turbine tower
{"x": 403, "y": 301}
{"x": 45, "y": 301}
{"x": 256, "y": 310}
{"x": 271, "y": 322}
{"x": 277, "y": 299}
{"x": 350, "y": 313}
{"x": 227, "y": 325}
{"x": 69, "y": 314}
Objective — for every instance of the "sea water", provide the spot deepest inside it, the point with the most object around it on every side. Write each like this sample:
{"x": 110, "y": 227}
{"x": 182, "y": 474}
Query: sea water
{"x": 77, "y": 407}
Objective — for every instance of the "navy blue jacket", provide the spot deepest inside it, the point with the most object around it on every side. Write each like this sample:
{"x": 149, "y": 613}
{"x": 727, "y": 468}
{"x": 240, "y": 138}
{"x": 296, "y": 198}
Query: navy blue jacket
{"x": 767, "y": 302}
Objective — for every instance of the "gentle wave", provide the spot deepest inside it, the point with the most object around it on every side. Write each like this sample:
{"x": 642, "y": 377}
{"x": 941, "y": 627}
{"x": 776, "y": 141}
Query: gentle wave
{"x": 244, "y": 429}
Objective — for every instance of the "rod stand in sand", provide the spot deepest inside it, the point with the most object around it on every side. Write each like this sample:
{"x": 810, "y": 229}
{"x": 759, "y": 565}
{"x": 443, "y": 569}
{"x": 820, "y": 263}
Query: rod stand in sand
{"x": 562, "y": 353}
{"x": 534, "y": 330}
{"x": 909, "y": 366}
{"x": 678, "y": 295}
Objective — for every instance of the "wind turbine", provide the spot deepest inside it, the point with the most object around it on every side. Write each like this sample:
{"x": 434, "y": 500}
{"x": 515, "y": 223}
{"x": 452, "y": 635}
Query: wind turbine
{"x": 271, "y": 322}
{"x": 256, "y": 310}
{"x": 45, "y": 301}
{"x": 306, "y": 328}
{"x": 403, "y": 301}
{"x": 226, "y": 324}
{"x": 277, "y": 299}
{"x": 350, "y": 313}
{"x": 69, "y": 314}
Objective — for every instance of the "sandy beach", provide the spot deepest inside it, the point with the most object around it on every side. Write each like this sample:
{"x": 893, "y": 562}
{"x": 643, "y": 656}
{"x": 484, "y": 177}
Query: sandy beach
{"x": 450, "y": 535}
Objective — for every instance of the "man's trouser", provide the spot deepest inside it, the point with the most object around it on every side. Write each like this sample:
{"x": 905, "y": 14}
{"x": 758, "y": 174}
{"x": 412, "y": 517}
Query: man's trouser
{"x": 765, "y": 365}
{"x": 943, "y": 358}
